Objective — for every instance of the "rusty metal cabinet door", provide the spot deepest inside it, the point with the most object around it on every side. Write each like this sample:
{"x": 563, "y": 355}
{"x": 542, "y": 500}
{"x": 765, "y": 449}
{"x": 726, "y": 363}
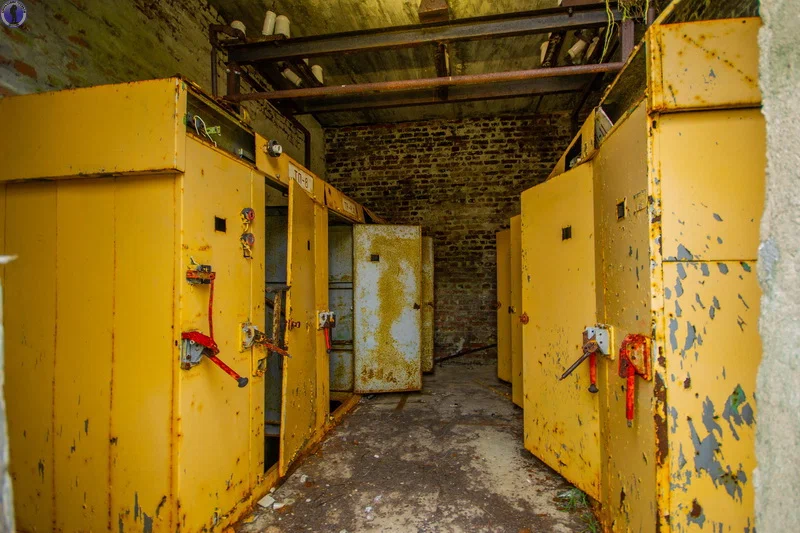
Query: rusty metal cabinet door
{"x": 504, "y": 305}
{"x": 562, "y": 424}
{"x": 298, "y": 415}
{"x": 387, "y": 308}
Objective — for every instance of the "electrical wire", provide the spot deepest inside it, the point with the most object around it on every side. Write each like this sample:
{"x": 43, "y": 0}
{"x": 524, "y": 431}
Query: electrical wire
{"x": 205, "y": 129}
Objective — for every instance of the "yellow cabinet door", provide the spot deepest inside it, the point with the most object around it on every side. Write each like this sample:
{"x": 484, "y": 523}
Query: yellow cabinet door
{"x": 387, "y": 297}
{"x": 558, "y": 294}
{"x": 298, "y": 415}
{"x": 503, "y": 305}
{"x": 214, "y": 412}
{"x": 515, "y": 285}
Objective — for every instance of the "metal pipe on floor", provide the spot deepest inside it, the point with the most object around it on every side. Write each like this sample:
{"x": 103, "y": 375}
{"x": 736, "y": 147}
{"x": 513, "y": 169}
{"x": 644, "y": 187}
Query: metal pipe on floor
{"x": 428, "y": 83}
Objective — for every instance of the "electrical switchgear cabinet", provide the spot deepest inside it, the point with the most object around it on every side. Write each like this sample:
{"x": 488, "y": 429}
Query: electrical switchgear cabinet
{"x": 124, "y": 231}
{"x": 677, "y": 191}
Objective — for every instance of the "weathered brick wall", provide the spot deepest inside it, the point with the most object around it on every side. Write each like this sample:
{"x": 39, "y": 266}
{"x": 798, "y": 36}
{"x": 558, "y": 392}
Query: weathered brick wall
{"x": 459, "y": 180}
{"x": 78, "y": 43}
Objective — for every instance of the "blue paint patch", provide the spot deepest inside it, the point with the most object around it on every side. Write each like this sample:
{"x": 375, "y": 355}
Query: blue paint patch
{"x": 684, "y": 254}
{"x": 731, "y": 413}
{"x": 746, "y": 267}
{"x": 691, "y": 336}
{"x": 681, "y": 271}
{"x": 723, "y": 268}
{"x": 678, "y": 310}
{"x": 712, "y": 311}
{"x": 667, "y": 293}
{"x": 698, "y": 300}
{"x": 678, "y": 288}
{"x": 719, "y": 240}
{"x": 135, "y": 505}
{"x": 717, "y": 217}
{"x": 707, "y": 453}
{"x": 673, "y": 329}
{"x": 673, "y": 412}
{"x": 704, "y": 269}
{"x": 148, "y": 523}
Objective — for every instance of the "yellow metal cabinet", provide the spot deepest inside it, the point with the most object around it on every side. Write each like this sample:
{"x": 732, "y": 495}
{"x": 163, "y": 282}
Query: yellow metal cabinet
{"x": 678, "y": 193}
{"x": 561, "y": 417}
{"x": 504, "y": 305}
{"x": 107, "y": 428}
{"x": 427, "y": 304}
{"x": 517, "y": 316}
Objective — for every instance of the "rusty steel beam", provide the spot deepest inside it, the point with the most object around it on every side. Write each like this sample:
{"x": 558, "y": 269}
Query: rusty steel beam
{"x": 427, "y": 83}
{"x": 458, "y": 95}
{"x": 492, "y": 27}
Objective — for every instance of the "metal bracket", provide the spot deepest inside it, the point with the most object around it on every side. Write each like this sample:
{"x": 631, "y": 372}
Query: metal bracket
{"x": 603, "y": 335}
{"x": 191, "y": 353}
{"x": 326, "y": 319}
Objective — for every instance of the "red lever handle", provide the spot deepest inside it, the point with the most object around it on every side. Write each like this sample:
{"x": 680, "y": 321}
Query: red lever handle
{"x": 327, "y": 339}
{"x": 593, "y": 372}
{"x": 228, "y": 370}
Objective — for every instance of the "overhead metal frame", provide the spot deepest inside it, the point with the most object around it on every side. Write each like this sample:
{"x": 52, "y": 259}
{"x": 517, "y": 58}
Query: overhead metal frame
{"x": 268, "y": 56}
{"x": 470, "y": 29}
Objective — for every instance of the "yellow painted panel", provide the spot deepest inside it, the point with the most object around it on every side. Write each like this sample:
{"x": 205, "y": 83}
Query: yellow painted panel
{"x": 712, "y": 177}
{"x": 624, "y": 283}
{"x": 84, "y": 352}
{"x": 387, "y": 293}
{"x": 127, "y": 127}
{"x": 300, "y": 371}
{"x": 321, "y": 296}
{"x": 702, "y": 65}
{"x": 30, "y": 327}
{"x": 558, "y": 284}
{"x": 144, "y": 354}
{"x": 258, "y": 317}
{"x": 427, "y": 304}
{"x": 214, "y": 428}
{"x": 515, "y": 247}
{"x": 271, "y": 166}
{"x": 713, "y": 353}
{"x": 503, "y": 247}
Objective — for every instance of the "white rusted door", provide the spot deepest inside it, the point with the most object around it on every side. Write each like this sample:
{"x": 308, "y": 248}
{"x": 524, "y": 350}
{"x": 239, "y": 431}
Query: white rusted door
{"x": 387, "y": 303}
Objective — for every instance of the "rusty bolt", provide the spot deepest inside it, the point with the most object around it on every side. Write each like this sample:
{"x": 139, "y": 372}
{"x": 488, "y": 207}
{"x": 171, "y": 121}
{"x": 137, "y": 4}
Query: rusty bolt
{"x": 524, "y": 318}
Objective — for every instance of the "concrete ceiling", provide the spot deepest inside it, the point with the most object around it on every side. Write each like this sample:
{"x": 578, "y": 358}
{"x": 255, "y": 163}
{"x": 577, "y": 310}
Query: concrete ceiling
{"x": 319, "y": 17}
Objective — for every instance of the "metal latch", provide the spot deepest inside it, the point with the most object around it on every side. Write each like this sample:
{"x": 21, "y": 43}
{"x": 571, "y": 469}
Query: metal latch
{"x": 326, "y": 321}
{"x": 251, "y": 336}
{"x": 634, "y": 360}
{"x": 195, "y": 345}
{"x": 596, "y": 340}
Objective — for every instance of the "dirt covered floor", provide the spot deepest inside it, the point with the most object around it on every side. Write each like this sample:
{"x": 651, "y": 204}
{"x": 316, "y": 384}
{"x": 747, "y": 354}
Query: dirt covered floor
{"x": 447, "y": 459}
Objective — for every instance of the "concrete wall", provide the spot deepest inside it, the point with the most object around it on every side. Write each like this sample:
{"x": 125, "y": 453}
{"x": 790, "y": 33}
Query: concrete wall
{"x": 78, "y": 43}
{"x": 778, "y": 436}
{"x": 459, "y": 180}
{"x": 6, "y": 498}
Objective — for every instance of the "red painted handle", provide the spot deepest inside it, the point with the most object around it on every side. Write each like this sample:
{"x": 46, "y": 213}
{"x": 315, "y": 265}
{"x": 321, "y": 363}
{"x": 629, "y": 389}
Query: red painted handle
{"x": 327, "y": 338}
{"x": 228, "y": 370}
{"x": 593, "y": 372}
{"x": 629, "y": 394}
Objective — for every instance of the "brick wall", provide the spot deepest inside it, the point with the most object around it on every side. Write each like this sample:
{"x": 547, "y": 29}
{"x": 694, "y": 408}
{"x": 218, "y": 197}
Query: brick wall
{"x": 78, "y": 43}
{"x": 459, "y": 180}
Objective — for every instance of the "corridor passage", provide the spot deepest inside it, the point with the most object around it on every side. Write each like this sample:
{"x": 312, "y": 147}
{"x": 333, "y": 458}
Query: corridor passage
{"x": 448, "y": 459}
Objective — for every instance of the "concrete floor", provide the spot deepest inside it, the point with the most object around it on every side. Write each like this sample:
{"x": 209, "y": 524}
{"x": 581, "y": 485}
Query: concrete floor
{"x": 448, "y": 459}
